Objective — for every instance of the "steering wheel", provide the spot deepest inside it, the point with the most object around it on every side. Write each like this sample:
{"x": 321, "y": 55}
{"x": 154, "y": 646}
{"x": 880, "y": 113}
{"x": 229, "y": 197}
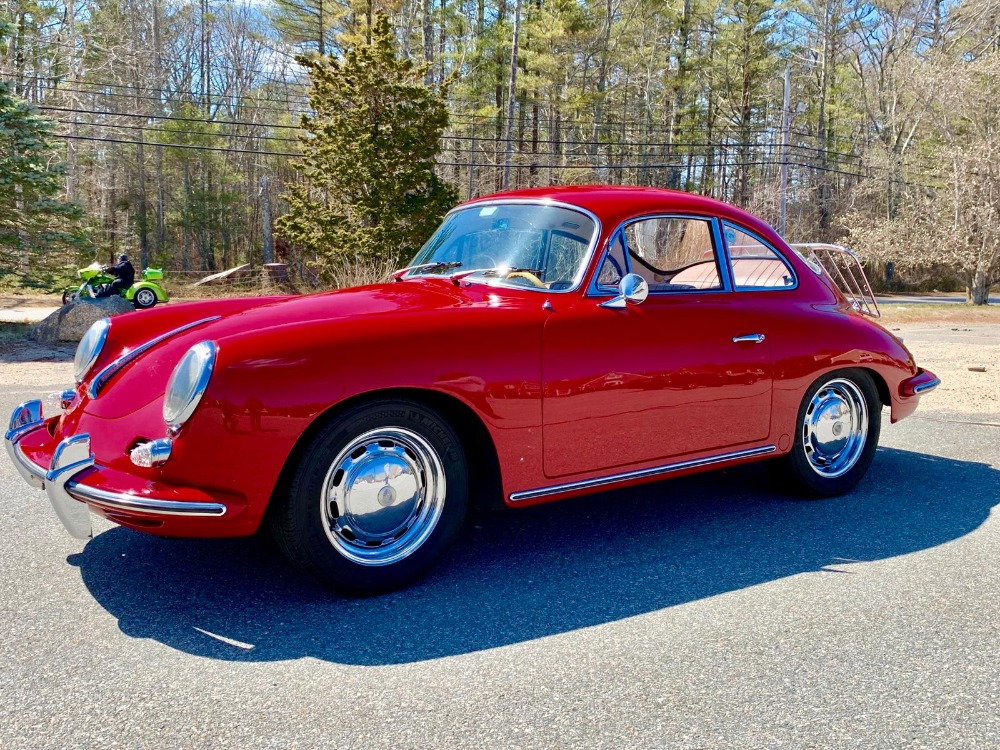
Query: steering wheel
{"x": 528, "y": 276}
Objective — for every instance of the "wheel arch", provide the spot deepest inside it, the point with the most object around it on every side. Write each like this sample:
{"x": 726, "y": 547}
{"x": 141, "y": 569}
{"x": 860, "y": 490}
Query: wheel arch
{"x": 485, "y": 492}
{"x": 158, "y": 292}
{"x": 880, "y": 385}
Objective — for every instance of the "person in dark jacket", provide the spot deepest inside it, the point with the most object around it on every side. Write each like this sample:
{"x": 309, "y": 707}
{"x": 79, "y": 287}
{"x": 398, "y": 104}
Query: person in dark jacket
{"x": 124, "y": 275}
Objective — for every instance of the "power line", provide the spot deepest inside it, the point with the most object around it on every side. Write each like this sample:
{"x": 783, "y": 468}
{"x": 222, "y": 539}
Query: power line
{"x": 683, "y": 150}
{"x": 454, "y": 116}
{"x": 595, "y": 167}
{"x": 167, "y": 94}
{"x": 677, "y": 144}
{"x": 175, "y": 145}
{"x": 106, "y": 113}
{"x": 150, "y": 128}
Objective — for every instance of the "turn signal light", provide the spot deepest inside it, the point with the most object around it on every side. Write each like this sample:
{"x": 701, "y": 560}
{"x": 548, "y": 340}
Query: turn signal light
{"x": 152, "y": 453}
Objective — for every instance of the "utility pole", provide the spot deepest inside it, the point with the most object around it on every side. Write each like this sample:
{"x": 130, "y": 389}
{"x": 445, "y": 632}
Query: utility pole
{"x": 786, "y": 128}
{"x": 510, "y": 97}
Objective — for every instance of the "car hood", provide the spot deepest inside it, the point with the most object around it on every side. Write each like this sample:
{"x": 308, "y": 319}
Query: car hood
{"x": 145, "y": 378}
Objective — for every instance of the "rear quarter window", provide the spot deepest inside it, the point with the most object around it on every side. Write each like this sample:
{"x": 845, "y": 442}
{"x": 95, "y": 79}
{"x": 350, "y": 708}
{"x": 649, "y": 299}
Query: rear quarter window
{"x": 754, "y": 263}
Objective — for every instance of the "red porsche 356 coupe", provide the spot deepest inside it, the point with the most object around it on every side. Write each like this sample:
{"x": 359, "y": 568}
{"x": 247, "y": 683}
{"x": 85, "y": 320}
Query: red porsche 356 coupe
{"x": 543, "y": 344}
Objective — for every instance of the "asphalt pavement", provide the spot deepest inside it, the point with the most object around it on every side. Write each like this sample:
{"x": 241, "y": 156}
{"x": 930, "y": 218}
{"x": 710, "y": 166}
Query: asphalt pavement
{"x": 705, "y": 612}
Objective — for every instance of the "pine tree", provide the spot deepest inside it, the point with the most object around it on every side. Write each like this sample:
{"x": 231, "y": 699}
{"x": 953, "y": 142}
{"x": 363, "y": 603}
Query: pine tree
{"x": 35, "y": 223}
{"x": 369, "y": 192}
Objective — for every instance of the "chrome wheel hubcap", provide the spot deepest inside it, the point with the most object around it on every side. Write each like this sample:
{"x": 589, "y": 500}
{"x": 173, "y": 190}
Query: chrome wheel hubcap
{"x": 835, "y": 428}
{"x": 145, "y": 297}
{"x": 383, "y": 496}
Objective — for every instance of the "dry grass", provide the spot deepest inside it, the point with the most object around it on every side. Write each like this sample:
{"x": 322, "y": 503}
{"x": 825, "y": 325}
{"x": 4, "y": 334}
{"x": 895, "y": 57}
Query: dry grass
{"x": 942, "y": 313}
{"x": 12, "y": 334}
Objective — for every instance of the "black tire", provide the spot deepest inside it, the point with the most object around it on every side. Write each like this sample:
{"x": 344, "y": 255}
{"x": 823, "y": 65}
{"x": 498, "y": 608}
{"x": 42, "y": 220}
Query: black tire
{"x": 801, "y": 470}
{"x": 65, "y": 296}
{"x": 144, "y": 299}
{"x": 313, "y": 533}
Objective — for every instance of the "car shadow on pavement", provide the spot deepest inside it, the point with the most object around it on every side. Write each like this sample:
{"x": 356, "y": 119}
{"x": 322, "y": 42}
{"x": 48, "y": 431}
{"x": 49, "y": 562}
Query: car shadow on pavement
{"x": 535, "y": 572}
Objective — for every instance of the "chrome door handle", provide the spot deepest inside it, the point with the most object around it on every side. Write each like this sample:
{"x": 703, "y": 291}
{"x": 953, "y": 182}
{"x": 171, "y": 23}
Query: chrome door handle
{"x": 755, "y": 338}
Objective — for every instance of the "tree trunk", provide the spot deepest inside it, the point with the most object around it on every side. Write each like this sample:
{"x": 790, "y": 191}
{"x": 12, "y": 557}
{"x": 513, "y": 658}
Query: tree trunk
{"x": 978, "y": 291}
{"x": 428, "y": 41}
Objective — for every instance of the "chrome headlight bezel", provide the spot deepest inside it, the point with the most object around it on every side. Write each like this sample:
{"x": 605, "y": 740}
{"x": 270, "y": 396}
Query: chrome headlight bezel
{"x": 89, "y": 348}
{"x": 188, "y": 383}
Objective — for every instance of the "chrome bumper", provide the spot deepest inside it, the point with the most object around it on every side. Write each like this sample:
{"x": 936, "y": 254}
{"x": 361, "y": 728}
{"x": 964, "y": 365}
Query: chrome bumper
{"x": 70, "y": 498}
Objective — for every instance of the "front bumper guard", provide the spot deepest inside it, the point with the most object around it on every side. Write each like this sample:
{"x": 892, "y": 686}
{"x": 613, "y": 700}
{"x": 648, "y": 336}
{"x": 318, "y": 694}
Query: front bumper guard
{"x": 68, "y": 496}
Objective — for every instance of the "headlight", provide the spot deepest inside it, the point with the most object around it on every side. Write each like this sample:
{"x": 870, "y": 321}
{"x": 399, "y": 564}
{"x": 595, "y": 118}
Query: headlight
{"x": 188, "y": 383}
{"x": 89, "y": 348}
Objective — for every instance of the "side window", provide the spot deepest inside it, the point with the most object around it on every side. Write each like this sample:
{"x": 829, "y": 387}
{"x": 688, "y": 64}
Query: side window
{"x": 755, "y": 264}
{"x": 673, "y": 254}
{"x": 613, "y": 267}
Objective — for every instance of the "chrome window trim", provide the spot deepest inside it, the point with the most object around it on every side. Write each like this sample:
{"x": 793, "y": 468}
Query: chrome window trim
{"x": 769, "y": 246}
{"x": 109, "y": 371}
{"x": 594, "y": 291}
{"x": 587, "y": 484}
{"x": 588, "y": 253}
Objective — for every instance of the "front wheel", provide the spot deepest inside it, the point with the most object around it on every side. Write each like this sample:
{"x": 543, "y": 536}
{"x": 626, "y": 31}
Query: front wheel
{"x": 144, "y": 299}
{"x": 837, "y": 431}
{"x": 375, "y": 499}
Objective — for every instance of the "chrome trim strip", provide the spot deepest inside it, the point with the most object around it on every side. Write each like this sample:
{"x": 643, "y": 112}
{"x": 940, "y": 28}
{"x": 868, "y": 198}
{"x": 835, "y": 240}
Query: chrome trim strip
{"x": 479, "y": 203}
{"x": 59, "y": 483}
{"x": 101, "y": 379}
{"x": 587, "y": 484}
{"x": 925, "y": 387}
{"x": 139, "y": 504}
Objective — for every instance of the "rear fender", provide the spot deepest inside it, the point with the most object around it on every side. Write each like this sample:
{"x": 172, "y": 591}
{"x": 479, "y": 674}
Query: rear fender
{"x": 161, "y": 295}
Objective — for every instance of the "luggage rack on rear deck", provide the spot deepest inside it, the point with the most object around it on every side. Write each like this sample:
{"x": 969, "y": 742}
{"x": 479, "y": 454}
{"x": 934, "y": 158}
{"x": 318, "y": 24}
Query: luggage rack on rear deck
{"x": 844, "y": 269}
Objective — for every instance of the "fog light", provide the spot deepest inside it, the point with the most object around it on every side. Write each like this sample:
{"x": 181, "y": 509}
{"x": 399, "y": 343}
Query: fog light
{"x": 61, "y": 399}
{"x": 152, "y": 453}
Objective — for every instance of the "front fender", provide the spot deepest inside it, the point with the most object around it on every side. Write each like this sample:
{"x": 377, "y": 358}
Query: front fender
{"x": 270, "y": 386}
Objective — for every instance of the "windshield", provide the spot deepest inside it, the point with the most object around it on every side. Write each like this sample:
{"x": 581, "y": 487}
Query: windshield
{"x": 517, "y": 244}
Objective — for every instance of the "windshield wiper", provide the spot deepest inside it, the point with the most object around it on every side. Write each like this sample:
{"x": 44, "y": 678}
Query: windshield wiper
{"x": 440, "y": 265}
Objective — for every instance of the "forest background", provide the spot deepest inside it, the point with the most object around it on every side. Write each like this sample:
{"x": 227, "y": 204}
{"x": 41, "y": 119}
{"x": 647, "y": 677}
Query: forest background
{"x": 874, "y": 124}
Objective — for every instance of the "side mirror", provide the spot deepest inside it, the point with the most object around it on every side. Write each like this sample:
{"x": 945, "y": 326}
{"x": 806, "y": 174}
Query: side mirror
{"x": 632, "y": 290}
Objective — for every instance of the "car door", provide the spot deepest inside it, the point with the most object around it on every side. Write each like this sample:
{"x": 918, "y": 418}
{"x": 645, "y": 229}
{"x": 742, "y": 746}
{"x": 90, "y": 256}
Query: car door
{"x": 681, "y": 373}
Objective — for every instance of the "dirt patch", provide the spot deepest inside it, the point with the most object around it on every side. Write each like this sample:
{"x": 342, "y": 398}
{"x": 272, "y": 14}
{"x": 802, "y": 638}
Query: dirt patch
{"x": 10, "y": 301}
{"x": 945, "y": 313}
{"x": 949, "y": 351}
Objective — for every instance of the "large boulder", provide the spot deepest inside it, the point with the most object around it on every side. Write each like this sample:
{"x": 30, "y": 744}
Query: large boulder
{"x": 72, "y": 320}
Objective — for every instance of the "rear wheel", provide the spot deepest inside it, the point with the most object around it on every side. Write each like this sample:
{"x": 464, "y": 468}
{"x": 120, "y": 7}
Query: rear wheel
{"x": 144, "y": 299}
{"x": 375, "y": 499}
{"x": 838, "y": 427}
